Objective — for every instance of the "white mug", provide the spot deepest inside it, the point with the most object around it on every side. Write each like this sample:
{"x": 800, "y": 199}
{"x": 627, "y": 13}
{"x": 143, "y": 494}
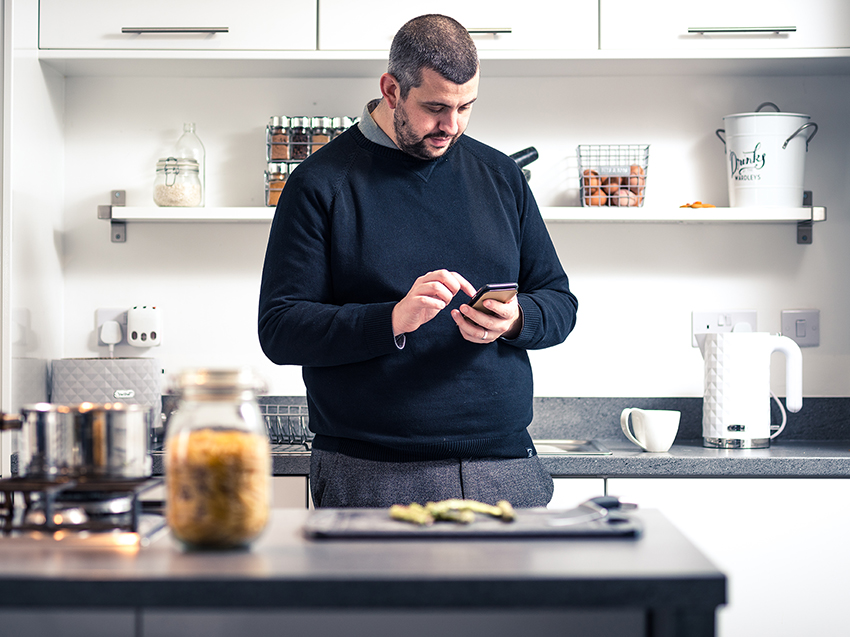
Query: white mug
{"x": 654, "y": 429}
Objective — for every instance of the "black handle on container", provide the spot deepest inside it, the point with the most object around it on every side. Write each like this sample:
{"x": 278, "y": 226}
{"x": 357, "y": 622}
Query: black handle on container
{"x": 10, "y": 422}
{"x": 525, "y": 156}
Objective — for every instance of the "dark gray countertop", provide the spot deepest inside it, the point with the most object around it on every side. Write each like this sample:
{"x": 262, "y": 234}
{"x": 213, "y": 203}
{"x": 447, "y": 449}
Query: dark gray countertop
{"x": 815, "y": 443}
{"x": 661, "y": 569}
{"x": 689, "y": 459}
{"x": 686, "y": 459}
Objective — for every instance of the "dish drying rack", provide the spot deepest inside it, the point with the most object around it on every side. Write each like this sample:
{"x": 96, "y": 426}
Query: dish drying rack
{"x": 287, "y": 424}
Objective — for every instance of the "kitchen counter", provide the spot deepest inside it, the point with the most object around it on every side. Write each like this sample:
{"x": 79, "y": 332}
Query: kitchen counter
{"x": 815, "y": 443}
{"x": 686, "y": 459}
{"x": 659, "y": 580}
{"x": 689, "y": 459}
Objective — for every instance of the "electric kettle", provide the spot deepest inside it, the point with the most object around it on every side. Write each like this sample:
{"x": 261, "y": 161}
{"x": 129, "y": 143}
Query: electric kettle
{"x": 736, "y": 400}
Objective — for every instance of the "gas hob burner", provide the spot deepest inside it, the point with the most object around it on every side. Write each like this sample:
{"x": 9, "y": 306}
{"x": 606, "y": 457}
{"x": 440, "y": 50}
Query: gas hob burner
{"x": 94, "y": 510}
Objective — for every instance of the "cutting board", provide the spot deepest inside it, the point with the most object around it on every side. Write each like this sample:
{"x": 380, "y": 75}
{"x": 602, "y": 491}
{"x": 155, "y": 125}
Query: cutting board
{"x": 529, "y": 523}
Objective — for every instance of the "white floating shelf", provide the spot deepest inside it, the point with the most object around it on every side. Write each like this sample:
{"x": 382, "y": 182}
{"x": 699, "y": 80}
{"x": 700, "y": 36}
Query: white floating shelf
{"x": 607, "y": 214}
{"x": 683, "y": 215}
{"x": 153, "y": 214}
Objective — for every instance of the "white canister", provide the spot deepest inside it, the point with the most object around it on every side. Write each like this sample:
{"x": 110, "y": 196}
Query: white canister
{"x": 766, "y": 156}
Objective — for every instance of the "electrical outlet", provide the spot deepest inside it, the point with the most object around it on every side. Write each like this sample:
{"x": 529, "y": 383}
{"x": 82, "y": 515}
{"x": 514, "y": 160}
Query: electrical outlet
{"x": 719, "y": 321}
{"x": 102, "y": 315}
{"x": 802, "y": 326}
{"x": 144, "y": 326}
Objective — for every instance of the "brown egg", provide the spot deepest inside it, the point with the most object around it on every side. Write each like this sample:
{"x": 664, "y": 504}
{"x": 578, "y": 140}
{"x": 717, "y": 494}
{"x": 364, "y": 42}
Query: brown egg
{"x": 610, "y": 185}
{"x": 590, "y": 180}
{"x": 625, "y": 197}
{"x": 637, "y": 181}
{"x": 595, "y": 198}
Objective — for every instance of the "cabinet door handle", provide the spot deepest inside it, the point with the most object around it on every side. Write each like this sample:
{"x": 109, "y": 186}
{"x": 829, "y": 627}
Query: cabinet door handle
{"x": 142, "y": 30}
{"x": 742, "y": 29}
{"x": 494, "y": 30}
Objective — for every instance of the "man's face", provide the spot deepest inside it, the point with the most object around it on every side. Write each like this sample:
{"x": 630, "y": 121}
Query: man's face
{"x": 434, "y": 115}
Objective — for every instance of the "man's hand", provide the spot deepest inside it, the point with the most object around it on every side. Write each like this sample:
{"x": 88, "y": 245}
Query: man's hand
{"x": 479, "y": 327}
{"x": 429, "y": 295}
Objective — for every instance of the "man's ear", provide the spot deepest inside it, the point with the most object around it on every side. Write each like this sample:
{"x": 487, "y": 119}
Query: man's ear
{"x": 390, "y": 90}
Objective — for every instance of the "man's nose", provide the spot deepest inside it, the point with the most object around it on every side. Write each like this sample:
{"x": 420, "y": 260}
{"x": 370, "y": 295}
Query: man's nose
{"x": 450, "y": 123}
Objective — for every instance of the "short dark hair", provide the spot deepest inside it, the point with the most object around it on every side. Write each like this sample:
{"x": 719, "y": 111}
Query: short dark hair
{"x": 436, "y": 42}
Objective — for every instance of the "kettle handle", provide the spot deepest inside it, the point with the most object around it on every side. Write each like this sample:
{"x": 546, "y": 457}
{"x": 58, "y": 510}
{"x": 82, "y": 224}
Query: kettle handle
{"x": 793, "y": 372}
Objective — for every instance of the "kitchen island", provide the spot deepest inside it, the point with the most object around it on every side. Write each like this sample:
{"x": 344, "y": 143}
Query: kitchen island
{"x": 656, "y": 584}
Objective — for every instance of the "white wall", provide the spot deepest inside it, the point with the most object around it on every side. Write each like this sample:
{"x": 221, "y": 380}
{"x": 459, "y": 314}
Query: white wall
{"x": 636, "y": 283}
{"x": 33, "y": 200}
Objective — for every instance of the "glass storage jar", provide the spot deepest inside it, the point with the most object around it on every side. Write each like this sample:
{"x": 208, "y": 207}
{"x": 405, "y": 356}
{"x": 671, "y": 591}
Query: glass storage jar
{"x": 217, "y": 460}
{"x": 277, "y": 139}
{"x": 276, "y": 176}
{"x": 177, "y": 183}
{"x": 321, "y": 133}
{"x": 299, "y": 137}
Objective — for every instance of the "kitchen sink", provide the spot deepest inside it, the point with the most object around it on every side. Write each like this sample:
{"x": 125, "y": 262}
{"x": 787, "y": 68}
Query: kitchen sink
{"x": 571, "y": 448}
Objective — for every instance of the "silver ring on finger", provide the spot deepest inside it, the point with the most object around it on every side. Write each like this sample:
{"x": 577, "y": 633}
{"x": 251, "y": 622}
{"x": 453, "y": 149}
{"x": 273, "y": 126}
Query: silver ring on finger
{"x": 484, "y": 338}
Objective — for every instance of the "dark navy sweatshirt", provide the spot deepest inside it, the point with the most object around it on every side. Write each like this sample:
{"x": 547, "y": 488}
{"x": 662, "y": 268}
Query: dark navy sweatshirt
{"x": 355, "y": 225}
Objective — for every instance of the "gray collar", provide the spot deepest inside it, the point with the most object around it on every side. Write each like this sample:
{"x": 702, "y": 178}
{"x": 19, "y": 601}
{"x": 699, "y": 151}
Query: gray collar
{"x": 370, "y": 128}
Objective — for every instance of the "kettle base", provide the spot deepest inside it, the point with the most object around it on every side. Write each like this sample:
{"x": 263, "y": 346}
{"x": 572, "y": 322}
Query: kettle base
{"x": 736, "y": 443}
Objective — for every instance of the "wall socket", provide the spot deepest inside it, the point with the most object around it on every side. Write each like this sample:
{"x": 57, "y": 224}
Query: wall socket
{"x": 719, "y": 321}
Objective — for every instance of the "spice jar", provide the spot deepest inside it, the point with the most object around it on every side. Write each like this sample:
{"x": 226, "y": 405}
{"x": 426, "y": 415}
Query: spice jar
{"x": 277, "y": 139}
{"x": 276, "y": 176}
{"x": 321, "y": 133}
{"x": 299, "y": 137}
{"x": 217, "y": 460}
{"x": 341, "y": 124}
{"x": 177, "y": 182}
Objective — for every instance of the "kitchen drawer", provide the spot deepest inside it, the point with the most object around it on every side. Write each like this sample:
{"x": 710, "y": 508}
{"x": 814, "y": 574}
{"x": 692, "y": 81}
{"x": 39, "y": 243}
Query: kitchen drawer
{"x": 534, "y": 24}
{"x": 290, "y": 492}
{"x": 664, "y": 24}
{"x": 570, "y": 492}
{"x": 256, "y": 25}
{"x": 782, "y": 542}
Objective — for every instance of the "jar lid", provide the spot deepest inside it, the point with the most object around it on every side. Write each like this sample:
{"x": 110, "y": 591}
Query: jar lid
{"x": 300, "y": 122}
{"x": 176, "y": 164}
{"x": 215, "y": 381}
{"x": 322, "y": 122}
{"x": 278, "y": 169}
{"x": 278, "y": 122}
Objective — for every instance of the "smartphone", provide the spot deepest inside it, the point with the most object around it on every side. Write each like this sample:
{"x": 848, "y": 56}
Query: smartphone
{"x": 503, "y": 292}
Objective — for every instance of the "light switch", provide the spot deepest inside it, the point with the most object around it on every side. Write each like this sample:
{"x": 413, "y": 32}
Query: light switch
{"x": 802, "y": 326}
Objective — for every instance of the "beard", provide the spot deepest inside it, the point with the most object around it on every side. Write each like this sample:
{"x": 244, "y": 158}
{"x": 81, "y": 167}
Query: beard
{"x": 411, "y": 143}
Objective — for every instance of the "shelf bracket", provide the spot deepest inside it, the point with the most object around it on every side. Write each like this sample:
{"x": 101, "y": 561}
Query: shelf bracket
{"x": 804, "y": 228}
{"x": 118, "y": 229}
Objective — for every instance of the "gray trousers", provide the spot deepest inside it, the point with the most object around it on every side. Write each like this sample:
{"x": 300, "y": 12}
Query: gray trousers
{"x": 337, "y": 480}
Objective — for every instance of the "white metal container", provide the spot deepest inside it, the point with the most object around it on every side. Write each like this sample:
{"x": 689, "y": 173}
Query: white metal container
{"x": 766, "y": 156}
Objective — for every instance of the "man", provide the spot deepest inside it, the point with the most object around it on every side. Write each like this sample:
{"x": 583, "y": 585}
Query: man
{"x": 377, "y": 241}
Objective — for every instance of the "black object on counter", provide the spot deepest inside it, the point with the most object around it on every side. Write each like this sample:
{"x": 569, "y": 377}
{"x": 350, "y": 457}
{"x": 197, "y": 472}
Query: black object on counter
{"x": 524, "y": 158}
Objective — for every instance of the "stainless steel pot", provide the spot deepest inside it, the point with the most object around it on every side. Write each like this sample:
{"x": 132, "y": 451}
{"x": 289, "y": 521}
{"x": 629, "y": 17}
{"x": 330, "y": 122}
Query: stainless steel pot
{"x": 107, "y": 441}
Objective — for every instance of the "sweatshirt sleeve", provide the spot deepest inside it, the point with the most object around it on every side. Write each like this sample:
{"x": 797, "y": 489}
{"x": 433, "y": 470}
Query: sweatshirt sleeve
{"x": 299, "y": 321}
{"x": 548, "y": 306}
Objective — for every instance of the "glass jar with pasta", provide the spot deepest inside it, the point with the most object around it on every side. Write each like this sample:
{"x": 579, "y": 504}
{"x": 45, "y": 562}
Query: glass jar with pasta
{"x": 217, "y": 460}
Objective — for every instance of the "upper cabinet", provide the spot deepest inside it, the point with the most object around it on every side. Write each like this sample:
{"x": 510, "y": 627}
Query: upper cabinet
{"x": 496, "y": 25}
{"x": 724, "y": 24}
{"x": 178, "y": 25}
